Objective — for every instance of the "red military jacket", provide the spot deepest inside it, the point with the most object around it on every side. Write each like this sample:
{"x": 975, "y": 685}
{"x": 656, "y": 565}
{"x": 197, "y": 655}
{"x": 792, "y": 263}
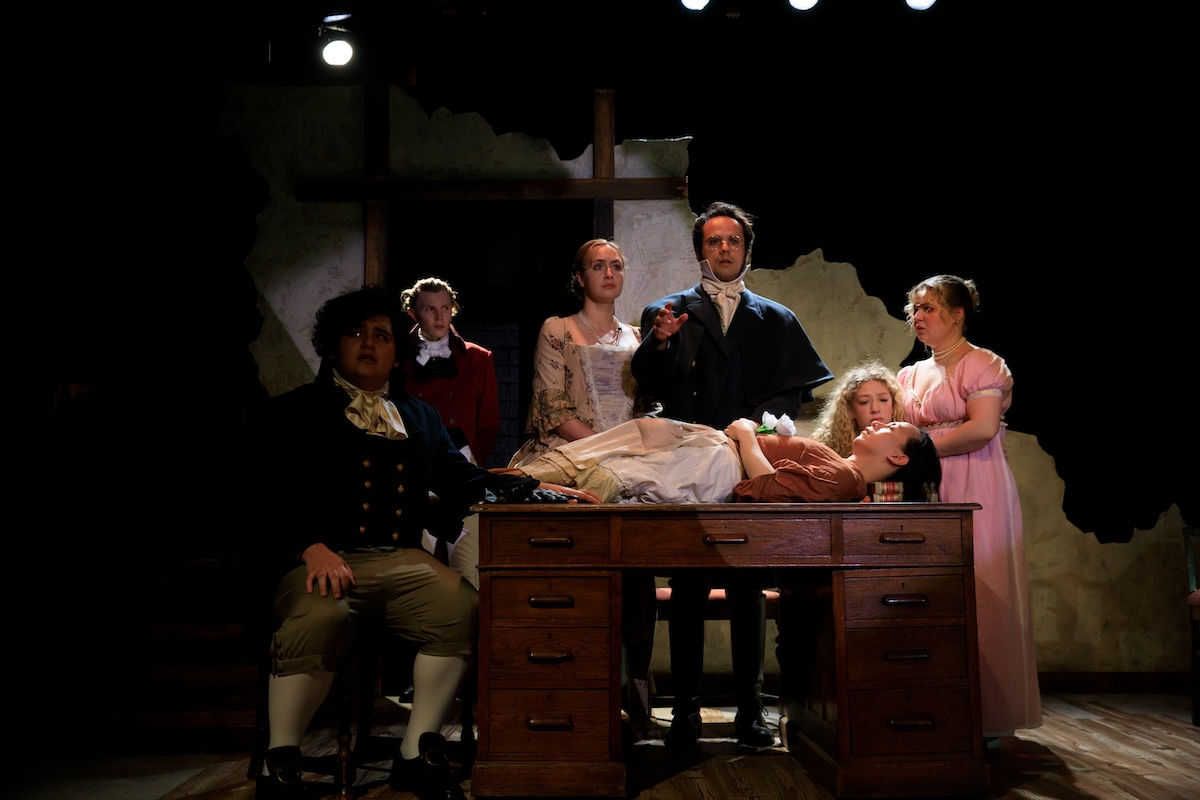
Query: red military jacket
{"x": 463, "y": 389}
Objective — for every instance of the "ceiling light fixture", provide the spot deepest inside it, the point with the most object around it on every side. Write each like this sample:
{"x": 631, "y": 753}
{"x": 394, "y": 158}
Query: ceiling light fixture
{"x": 335, "y": 48}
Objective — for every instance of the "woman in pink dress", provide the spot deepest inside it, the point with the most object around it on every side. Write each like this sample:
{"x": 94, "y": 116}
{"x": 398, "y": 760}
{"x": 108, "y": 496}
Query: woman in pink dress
{"x": 960, "y": 394}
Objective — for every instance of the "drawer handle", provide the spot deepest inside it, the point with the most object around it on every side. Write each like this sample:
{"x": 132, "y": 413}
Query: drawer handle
{"x": 550, "y": 656}
{"x": 906, "y": 655}
{"x": 726, "y": 539}
{"x": 904, "y": 599}
{"x": 922, "y": 722}
{"x": 551, "y": 601}
{"x": 551, "y": 541}
{"x": 902, "y": 538}
{"x": 551, "y": 723}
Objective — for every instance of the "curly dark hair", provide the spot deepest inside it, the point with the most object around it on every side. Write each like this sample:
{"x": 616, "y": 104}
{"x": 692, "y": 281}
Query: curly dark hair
{"x": 347, "y": 311}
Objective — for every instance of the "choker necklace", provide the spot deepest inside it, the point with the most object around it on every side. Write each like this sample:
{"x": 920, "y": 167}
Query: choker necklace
{"x": 609, "y": 339}
{"x": 949, "y": 350}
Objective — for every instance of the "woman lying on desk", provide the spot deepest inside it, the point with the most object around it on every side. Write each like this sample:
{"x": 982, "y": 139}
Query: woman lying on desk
{"x": 658, "y": 460}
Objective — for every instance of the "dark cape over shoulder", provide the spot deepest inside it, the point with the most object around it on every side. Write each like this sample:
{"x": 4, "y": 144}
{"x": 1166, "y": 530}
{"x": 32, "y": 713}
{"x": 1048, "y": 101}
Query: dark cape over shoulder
{"x": 765, "y": 362}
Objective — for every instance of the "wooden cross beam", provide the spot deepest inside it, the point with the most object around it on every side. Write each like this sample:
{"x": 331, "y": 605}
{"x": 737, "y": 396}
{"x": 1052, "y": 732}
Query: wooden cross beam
{"x": 377, "y": 189}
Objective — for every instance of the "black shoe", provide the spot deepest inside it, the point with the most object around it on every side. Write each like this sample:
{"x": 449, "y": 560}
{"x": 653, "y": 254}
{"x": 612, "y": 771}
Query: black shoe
{"x": 751, "y": 729}
{"x": 429, "y": 775}
{"x": 282, "y": 781}
{"x": 685, "y": 726}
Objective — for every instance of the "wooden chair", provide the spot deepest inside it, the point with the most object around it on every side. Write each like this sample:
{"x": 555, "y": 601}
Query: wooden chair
{"x": 1191, "y": 535}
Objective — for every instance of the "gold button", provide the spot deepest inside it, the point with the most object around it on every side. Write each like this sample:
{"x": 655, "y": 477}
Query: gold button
{"x": 400, "y": 489}
{"x": 453, "y": 421}
{"x": 366, "y": 463}
{"x": 366, "y": 484}
{"x": 395, "y": 536}
{"x": 400, "y": 468}
{"x": 362, "y": 528}
{"x": 399, "y": 512}
{"x": 366, "y": 506}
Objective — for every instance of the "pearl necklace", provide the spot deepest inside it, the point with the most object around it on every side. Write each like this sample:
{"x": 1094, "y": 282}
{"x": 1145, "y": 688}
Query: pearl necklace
{"x": 609, "y": 339}
{"x": 949, "y": 350}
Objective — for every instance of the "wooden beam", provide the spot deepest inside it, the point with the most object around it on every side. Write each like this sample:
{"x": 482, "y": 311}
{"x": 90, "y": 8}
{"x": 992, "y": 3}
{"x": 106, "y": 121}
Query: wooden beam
{"x": 403, "y": 190}
{"x": 604, "y": 157}
{"x": 376, "y": 161}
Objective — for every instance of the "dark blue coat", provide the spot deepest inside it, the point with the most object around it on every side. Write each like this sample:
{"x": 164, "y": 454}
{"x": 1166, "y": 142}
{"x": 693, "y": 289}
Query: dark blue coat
{"x": 764, "y": 363}
{"x": 319, "y": 478}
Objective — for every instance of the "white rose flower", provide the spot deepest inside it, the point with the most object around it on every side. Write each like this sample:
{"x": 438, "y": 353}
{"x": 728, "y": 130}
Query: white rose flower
{"x": 786, "y": 427}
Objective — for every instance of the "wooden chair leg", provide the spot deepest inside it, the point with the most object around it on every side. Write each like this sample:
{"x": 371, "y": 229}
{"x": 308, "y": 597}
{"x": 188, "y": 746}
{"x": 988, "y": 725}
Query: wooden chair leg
{"x": 345, "y": 771}
{"x": 466, "y": 716}
{"x": 261, "y": 732}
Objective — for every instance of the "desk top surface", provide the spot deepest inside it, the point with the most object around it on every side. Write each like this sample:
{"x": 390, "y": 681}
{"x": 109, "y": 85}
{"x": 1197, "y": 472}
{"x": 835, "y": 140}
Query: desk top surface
{"x": 719, "y": 509}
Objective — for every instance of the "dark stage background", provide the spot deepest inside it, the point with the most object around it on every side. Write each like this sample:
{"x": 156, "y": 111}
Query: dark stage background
{"x": 1040, "y": 148}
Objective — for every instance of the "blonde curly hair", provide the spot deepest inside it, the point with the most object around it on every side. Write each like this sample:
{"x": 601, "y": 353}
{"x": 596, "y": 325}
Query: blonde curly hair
{"x": 835, "y": 426}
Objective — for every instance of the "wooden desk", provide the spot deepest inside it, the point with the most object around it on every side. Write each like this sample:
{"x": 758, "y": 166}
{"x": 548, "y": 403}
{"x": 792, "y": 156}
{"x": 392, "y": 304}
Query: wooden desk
{"x": 877, "y": 646}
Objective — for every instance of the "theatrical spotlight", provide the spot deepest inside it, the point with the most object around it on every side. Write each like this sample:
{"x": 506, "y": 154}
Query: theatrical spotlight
{"x": 335, "y": 41}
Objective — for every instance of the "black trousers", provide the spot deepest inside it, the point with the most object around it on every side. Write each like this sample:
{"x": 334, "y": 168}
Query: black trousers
{"x": 747, "y": 632}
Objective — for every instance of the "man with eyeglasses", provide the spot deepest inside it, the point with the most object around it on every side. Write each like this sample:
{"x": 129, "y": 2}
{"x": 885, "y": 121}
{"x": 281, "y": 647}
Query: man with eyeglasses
{"x": 718, "y": 352}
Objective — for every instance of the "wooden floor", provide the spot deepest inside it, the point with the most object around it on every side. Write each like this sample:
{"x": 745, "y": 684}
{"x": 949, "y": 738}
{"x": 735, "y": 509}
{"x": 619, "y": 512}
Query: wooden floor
{"x": 1107, "y": 747}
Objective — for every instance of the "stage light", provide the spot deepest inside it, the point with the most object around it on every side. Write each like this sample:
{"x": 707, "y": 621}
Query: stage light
{"x": 336, "y": 48}
{"x": 337, "y": 53}
{"x": 920, "y": 5}
{"x": 802, "y": 5}
{"x": 694, "y": 5}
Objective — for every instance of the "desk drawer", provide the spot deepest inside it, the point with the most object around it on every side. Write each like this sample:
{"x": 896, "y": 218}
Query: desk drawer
{"x": 910, "y": 721}
{"x": 551, "y": 598}
{"x": 521, "y": 540}
{"x": 549, "y": 656}
{"x": 909, "y": 597}
{"x": 549, "y": 724}
{"x": 883, "y": 654}
{"x": 896, "y": 536}
{"x": 742, "y": 541}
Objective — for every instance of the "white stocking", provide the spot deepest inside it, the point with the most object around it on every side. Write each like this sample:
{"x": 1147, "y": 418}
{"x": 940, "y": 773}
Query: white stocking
{"x": 436, "y": 680}
{"x": 292, "y": 701}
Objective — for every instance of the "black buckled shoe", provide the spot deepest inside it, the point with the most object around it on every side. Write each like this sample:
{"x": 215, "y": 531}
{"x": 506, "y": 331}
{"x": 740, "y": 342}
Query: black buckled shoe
{"x": 282, "y": 781}
{"x": 429, "y": 775}
{"x": 751, "y": 729}
{"x": 685, "y": 726}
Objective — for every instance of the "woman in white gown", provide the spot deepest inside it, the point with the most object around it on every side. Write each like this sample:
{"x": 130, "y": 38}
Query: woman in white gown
{"x": 582, "y": 385}
{"x": 582, "y": 382}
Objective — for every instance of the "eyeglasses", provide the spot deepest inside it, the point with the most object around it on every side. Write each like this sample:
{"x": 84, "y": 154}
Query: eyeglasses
{"x": 714, "y": 242}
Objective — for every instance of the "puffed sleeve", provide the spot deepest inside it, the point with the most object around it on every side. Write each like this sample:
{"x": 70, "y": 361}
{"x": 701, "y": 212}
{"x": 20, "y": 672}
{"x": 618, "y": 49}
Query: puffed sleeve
{"x": 985, "y": 373}
{"x": 551, "y": 405}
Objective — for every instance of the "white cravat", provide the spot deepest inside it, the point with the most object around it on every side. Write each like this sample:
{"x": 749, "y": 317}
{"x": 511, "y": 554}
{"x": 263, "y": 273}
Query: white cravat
{"x": 373, "y": 412}
{"x": 725, "y": 294}
{"x": 438, "y": 349}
